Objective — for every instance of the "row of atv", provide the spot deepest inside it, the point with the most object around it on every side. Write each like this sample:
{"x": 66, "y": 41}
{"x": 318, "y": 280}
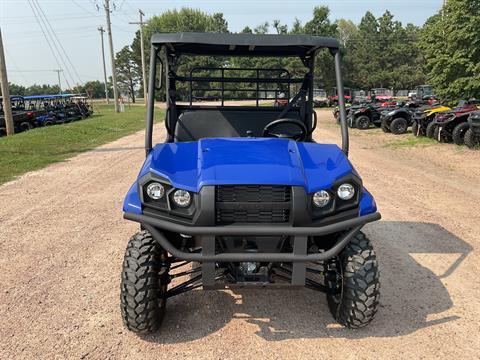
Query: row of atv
{"x": 391, "y": 116}
{"x": 426, "y": 117}
{"x": 460, "y": 125}
{"x": 44, "y": 110}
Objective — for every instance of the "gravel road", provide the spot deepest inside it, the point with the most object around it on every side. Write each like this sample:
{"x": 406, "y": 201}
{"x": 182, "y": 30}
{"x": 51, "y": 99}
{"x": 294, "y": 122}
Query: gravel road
{"x": 62, "y": 239}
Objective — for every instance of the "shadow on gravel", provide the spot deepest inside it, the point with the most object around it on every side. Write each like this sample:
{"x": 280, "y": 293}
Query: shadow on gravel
{"x": 411, "y": 293}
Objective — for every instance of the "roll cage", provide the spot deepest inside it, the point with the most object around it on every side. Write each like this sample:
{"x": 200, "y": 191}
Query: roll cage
{"x": 166, "y": 50}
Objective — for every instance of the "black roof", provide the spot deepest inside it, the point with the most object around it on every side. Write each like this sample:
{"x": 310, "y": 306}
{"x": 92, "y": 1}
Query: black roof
{"x": 243, "y": 44}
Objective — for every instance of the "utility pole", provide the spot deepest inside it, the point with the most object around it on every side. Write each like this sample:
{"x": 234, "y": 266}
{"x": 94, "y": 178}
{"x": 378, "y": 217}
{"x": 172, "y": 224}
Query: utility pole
{"x": 7, "y": 105}
{"x": 59, "y": 82}
{"x": 142, "y": 52}
{"x": 104, "y": 66}
{"x": 112, "y": 55}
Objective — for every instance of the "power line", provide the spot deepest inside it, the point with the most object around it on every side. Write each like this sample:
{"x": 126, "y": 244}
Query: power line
{"x": 142, "y": 53}
{"x": 46, "y": 37}
{"x": 52, "y": 19}
{"x": 55, "y": 45}
{"x": 59, "y": 43}
{"x": 15, "y": 65}
{"x": 81, "y": 7}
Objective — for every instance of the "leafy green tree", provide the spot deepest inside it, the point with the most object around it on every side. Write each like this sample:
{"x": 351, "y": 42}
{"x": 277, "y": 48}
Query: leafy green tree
{"x": 15, "y": 89}
{"x": 321, "y": 25}
{"x": 128, "y": 72}
{"x": 383, "y": 53}
{"x": 451, "y": 42}
{"x": 95, "y": 89}
{"x": 184, "y": 20}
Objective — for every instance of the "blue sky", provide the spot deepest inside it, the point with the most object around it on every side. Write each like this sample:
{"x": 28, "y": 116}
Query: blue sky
{"x": 75, "y": 22}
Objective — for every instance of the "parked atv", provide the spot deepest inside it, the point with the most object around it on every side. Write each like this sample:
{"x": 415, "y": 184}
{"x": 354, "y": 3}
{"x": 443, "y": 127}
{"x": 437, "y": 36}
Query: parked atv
{"x": 472, "y": 136}
{"x": 245, "y": 191}
{"x": 452, "y": 125}
{"x": 381, "y": 94}
{"x": 399, "y": 119}
{"x": 366, "y": 115}
{"x": 348, "y": 107}
{"x": 333, "y": 99}
{"x": 423, "y": 118}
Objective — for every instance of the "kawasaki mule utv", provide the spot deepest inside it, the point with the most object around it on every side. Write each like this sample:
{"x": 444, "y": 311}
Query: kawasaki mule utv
{"x": 245, "y": 191}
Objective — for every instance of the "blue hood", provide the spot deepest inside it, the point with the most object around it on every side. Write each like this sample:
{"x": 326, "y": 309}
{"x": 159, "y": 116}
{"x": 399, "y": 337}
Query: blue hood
{"x": 191, "y": 165}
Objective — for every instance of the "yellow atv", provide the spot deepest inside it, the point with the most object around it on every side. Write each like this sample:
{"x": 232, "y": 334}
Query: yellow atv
{"x": 423, "y": 120}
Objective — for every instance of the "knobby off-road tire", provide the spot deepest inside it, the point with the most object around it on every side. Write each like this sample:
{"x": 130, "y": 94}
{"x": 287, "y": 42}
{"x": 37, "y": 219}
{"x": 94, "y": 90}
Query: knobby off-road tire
{"x": 399, "y": 126}
{"x": 25, "y": 126}
{"x": 459, "y": 132}
{"x": 471, "y": 139}
{"x": 144, "y": 284}
{"x": 440, "y": 136}
{"x": 384, "y": 127}
{"x": 430, "y": 132}
{"x": 416, "y": 129}
{"x": 357, "y": 303}
{"x": 362, "y": 122}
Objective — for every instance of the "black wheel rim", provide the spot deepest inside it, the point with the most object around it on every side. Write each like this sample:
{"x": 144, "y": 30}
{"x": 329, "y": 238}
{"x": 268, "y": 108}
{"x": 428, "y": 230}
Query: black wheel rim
{"x": 363, "y": 123}
{"x": 400, "y": 127}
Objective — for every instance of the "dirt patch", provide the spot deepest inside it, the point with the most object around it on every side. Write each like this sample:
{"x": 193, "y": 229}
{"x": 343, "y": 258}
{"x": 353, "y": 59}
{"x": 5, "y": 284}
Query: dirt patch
{"x": 62, "y": 240}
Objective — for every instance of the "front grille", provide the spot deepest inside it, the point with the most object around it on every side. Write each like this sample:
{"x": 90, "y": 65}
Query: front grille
{"x": 252, "y": 204}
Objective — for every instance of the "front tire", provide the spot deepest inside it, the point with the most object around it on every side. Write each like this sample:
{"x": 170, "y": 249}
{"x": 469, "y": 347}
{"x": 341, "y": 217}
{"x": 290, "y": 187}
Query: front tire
{"x": 358, "y": 299}
{"x": 472, "y": 140}
{"x": 25, "y": 126}
{"x": 430, "y": 132}
{"x": 384, "y": 127}
{"x": 144, "y": 284}
{"x": 440, "y": 136}
{"x": 399, "y": 126}
{"x": 415, "y": 129}
{"x": 362, "y": 122}
{"x": 459, "y": 132}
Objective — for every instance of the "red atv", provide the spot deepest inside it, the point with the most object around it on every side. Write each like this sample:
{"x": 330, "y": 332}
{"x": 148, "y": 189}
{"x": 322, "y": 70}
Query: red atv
{"x": 333, "y": 99}
{"x": 452, "y": 125}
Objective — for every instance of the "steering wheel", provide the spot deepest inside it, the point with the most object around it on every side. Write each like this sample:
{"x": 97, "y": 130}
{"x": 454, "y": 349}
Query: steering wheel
{"x": 297, "y": 136}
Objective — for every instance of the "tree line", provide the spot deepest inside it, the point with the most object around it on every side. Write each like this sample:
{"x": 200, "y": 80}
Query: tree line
{"x": 377, "y": 52}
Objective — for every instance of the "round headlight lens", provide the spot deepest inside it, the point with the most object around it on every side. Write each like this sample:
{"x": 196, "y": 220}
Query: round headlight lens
{"x": 321, "y": 198}
{"x": 346, "y": 191}
{"x": 182, "y": 198}
{"x": 155, "y": 190}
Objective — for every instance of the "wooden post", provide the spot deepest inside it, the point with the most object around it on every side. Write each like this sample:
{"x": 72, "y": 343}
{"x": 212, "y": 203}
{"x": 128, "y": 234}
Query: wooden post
{"x": 7, "y": 106}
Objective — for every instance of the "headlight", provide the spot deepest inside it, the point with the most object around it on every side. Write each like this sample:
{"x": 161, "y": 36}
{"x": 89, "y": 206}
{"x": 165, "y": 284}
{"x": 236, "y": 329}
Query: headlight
{"x": 346, "y": 191}
{"x": 321, "y": 198}
{"x": 391, "y": 113}
{"x": 155, "y": 190}
{"x": 182, "y": 198}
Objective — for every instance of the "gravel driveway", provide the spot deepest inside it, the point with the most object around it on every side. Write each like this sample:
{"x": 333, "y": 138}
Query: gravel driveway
{"x": 62, "y": 239}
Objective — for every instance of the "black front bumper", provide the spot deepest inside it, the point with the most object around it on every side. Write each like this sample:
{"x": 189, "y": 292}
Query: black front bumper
{"x": 207, "y": 233}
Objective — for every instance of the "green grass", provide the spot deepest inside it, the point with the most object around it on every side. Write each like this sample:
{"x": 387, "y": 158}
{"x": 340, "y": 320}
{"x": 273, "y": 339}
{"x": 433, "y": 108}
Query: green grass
{"x": 40, "y": 147}
{"x": 410, "y": 141}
